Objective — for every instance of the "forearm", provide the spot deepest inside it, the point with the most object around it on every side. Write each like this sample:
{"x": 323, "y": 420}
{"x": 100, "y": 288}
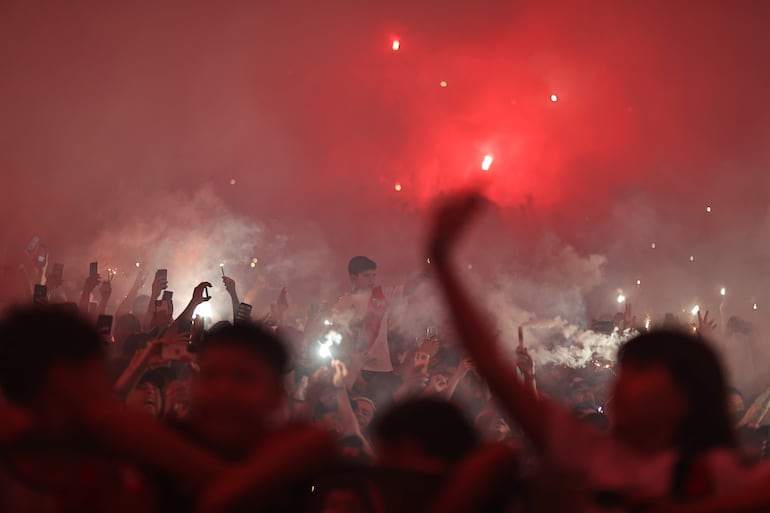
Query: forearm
{"x": 293, "y": 457}
{"x": 345, "y": 412}
{"x": 85, "y": 299}
{"x": 142, "y": 440}
{"x": 480, "y": 343}
{"x": 125, "y": 306}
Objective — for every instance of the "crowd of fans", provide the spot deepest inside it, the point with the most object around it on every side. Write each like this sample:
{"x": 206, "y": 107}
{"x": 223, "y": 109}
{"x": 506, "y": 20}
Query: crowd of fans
{"x": 354, "y": 413}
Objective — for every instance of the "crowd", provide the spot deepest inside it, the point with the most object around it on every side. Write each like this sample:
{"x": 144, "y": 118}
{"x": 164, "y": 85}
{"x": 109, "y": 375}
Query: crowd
{"x": 145, "y": 410}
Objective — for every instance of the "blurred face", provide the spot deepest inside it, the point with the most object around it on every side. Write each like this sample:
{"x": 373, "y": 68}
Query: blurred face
{"x": 581, "y": 396}
{"x": 145, "y": 397}
{"x": 343, "y": 501}
{"x": 364, "y": 280}
{"x": 647, "y": 403}
{"x": 364, "y": 413}
{"x": 234, "y": 395}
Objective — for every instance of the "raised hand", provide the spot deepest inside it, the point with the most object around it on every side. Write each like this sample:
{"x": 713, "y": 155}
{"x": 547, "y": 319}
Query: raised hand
{"x": 139, "y": 281}
{"x": 91, "y": 283}
{"x": 200, "y": 293}
{"x": 340, "y": 373}
{"x": 705, "y": 325}
{"x": 229, "y": 285}
{"x": 524, "y": 362}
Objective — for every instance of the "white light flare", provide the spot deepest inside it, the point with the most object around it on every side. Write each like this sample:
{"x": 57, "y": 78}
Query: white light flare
{"x": 330, "y": 339}
{"x": 755, "y": 307}
{"x": 203, "y": 310}
{"x": 621, "y": 299}
{"x": 396, "y": 46}
{"x": 708, "y": 210}
{"x": 487, "y": 162}
{"x": 138, "y": 265}
{"x": 397, "y": 187}
{"x": 723, "y": 292}
{"x": 695, "y": 310}
{"x": 554, "y": 98}
{"x": 638, "y": 283}
{"x": 442, "y": 83}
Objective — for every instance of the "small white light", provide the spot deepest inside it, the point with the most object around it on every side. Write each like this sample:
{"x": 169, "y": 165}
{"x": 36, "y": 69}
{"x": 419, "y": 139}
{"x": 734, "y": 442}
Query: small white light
{"x": 653, "y": 246}
{"x": 695, "y": 310}
{"x": 324, "y": 352}
{"x": 397, "y": 187}
{"x": 554, "y": 98}
{"x": 255, "y": 260}
{"x": 253, "y": 265}
{"x": 755, "y": 307}
{"x": 221, "y": 264}
{"x": 621, "y": 299}
{"x": 692, "y": 258}
{"x": 443, "y": 83}
{"x": 428, "y": 260}
{"x": 708, "y": 210}
{"x": 327, "y": 322}
{"x": 638, "y": 283}
{"x": 723, "y": 291}
{"x": 232, "y": 181}
{"x": 137, "y": 264}
{"x": 396, "y": 45}
{"x": 487, "y": 162}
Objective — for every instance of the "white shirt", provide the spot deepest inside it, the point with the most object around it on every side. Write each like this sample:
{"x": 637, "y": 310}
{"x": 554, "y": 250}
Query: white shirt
{"x": 587, "y": 459}
{"x": 351, "y": 308}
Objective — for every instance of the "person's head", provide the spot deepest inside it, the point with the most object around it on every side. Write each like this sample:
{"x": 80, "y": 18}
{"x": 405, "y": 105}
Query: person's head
{"x": 579, "y": 395}
{"x": 147, "y": 395}
{"x": 363, "y": 273}
{"x": 671, "y": 392}
{"x": 424, "y": 435}
{"x": 125, "y": 326}
{"x": 492, "y": 426}
{"x": 50, "y": 358}
{"x": 364, "y": 409}
{"x": 735, "y": 404}
{"x": 240, "y": 384}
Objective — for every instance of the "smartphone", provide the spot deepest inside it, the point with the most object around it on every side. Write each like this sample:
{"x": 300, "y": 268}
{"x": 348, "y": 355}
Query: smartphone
{"x": 167, "y": 295}
{"x": 244, "y": 313}
{"x": 57, "y": 276}
{"x": 431, "y": 333}
{"x": 104, "y": 325}
{"x": 41, "y": 294}
{"x": 93, "y": 269}
{"x": 173, "y": 351}
{"x": 32, "y": 244}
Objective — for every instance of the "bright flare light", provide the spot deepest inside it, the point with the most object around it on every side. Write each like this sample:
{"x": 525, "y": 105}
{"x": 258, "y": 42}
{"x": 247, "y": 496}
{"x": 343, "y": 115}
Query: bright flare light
{"x": 695, "y": 310}
{"x": 396, "y": 45}
{"x": 331, "y": 338}
{"x": 638, "y": 283}
{"x": 723, "y": 291}
{"x": 397, "y": 187}
{"x": 232, "y": 181}
{"x": 554, "y": 98}
{"x": 653, "y": 246}
{"x": 754, "y": 307}
{"x": 443, "y": 83}
{"x": 692, "y": 258}
{"x": 621, "y": 299}
{"x": 487, "y": 162}
{"x": 253, "y": 265}
{"x": 203, "y": 310}
{"x": 708, "y": 210}
{"x": 137, "y": 264}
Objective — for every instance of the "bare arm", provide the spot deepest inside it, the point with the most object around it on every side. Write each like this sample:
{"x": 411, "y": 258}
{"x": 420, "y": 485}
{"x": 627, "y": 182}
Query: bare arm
{"x": 125, "y": 305}
{"x": 476, "y": 480}
{"x": 289, "y": 456}
{"x": 230, "y": 287}
{"x": 480, "y": 342}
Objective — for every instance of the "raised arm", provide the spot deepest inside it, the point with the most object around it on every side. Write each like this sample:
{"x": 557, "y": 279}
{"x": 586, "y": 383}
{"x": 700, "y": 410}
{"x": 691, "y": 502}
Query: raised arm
{"x": 184, "y": 321}
{"x": 479, "y": 340}
{"x": 128, "y": 301}
{"x": 230, "y": 288}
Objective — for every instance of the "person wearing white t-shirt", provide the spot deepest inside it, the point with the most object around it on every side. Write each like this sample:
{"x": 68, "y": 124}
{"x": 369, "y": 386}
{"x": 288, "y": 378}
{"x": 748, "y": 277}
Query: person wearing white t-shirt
{"x": 671, "y": 437}
{"x": 366, "y": 312}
